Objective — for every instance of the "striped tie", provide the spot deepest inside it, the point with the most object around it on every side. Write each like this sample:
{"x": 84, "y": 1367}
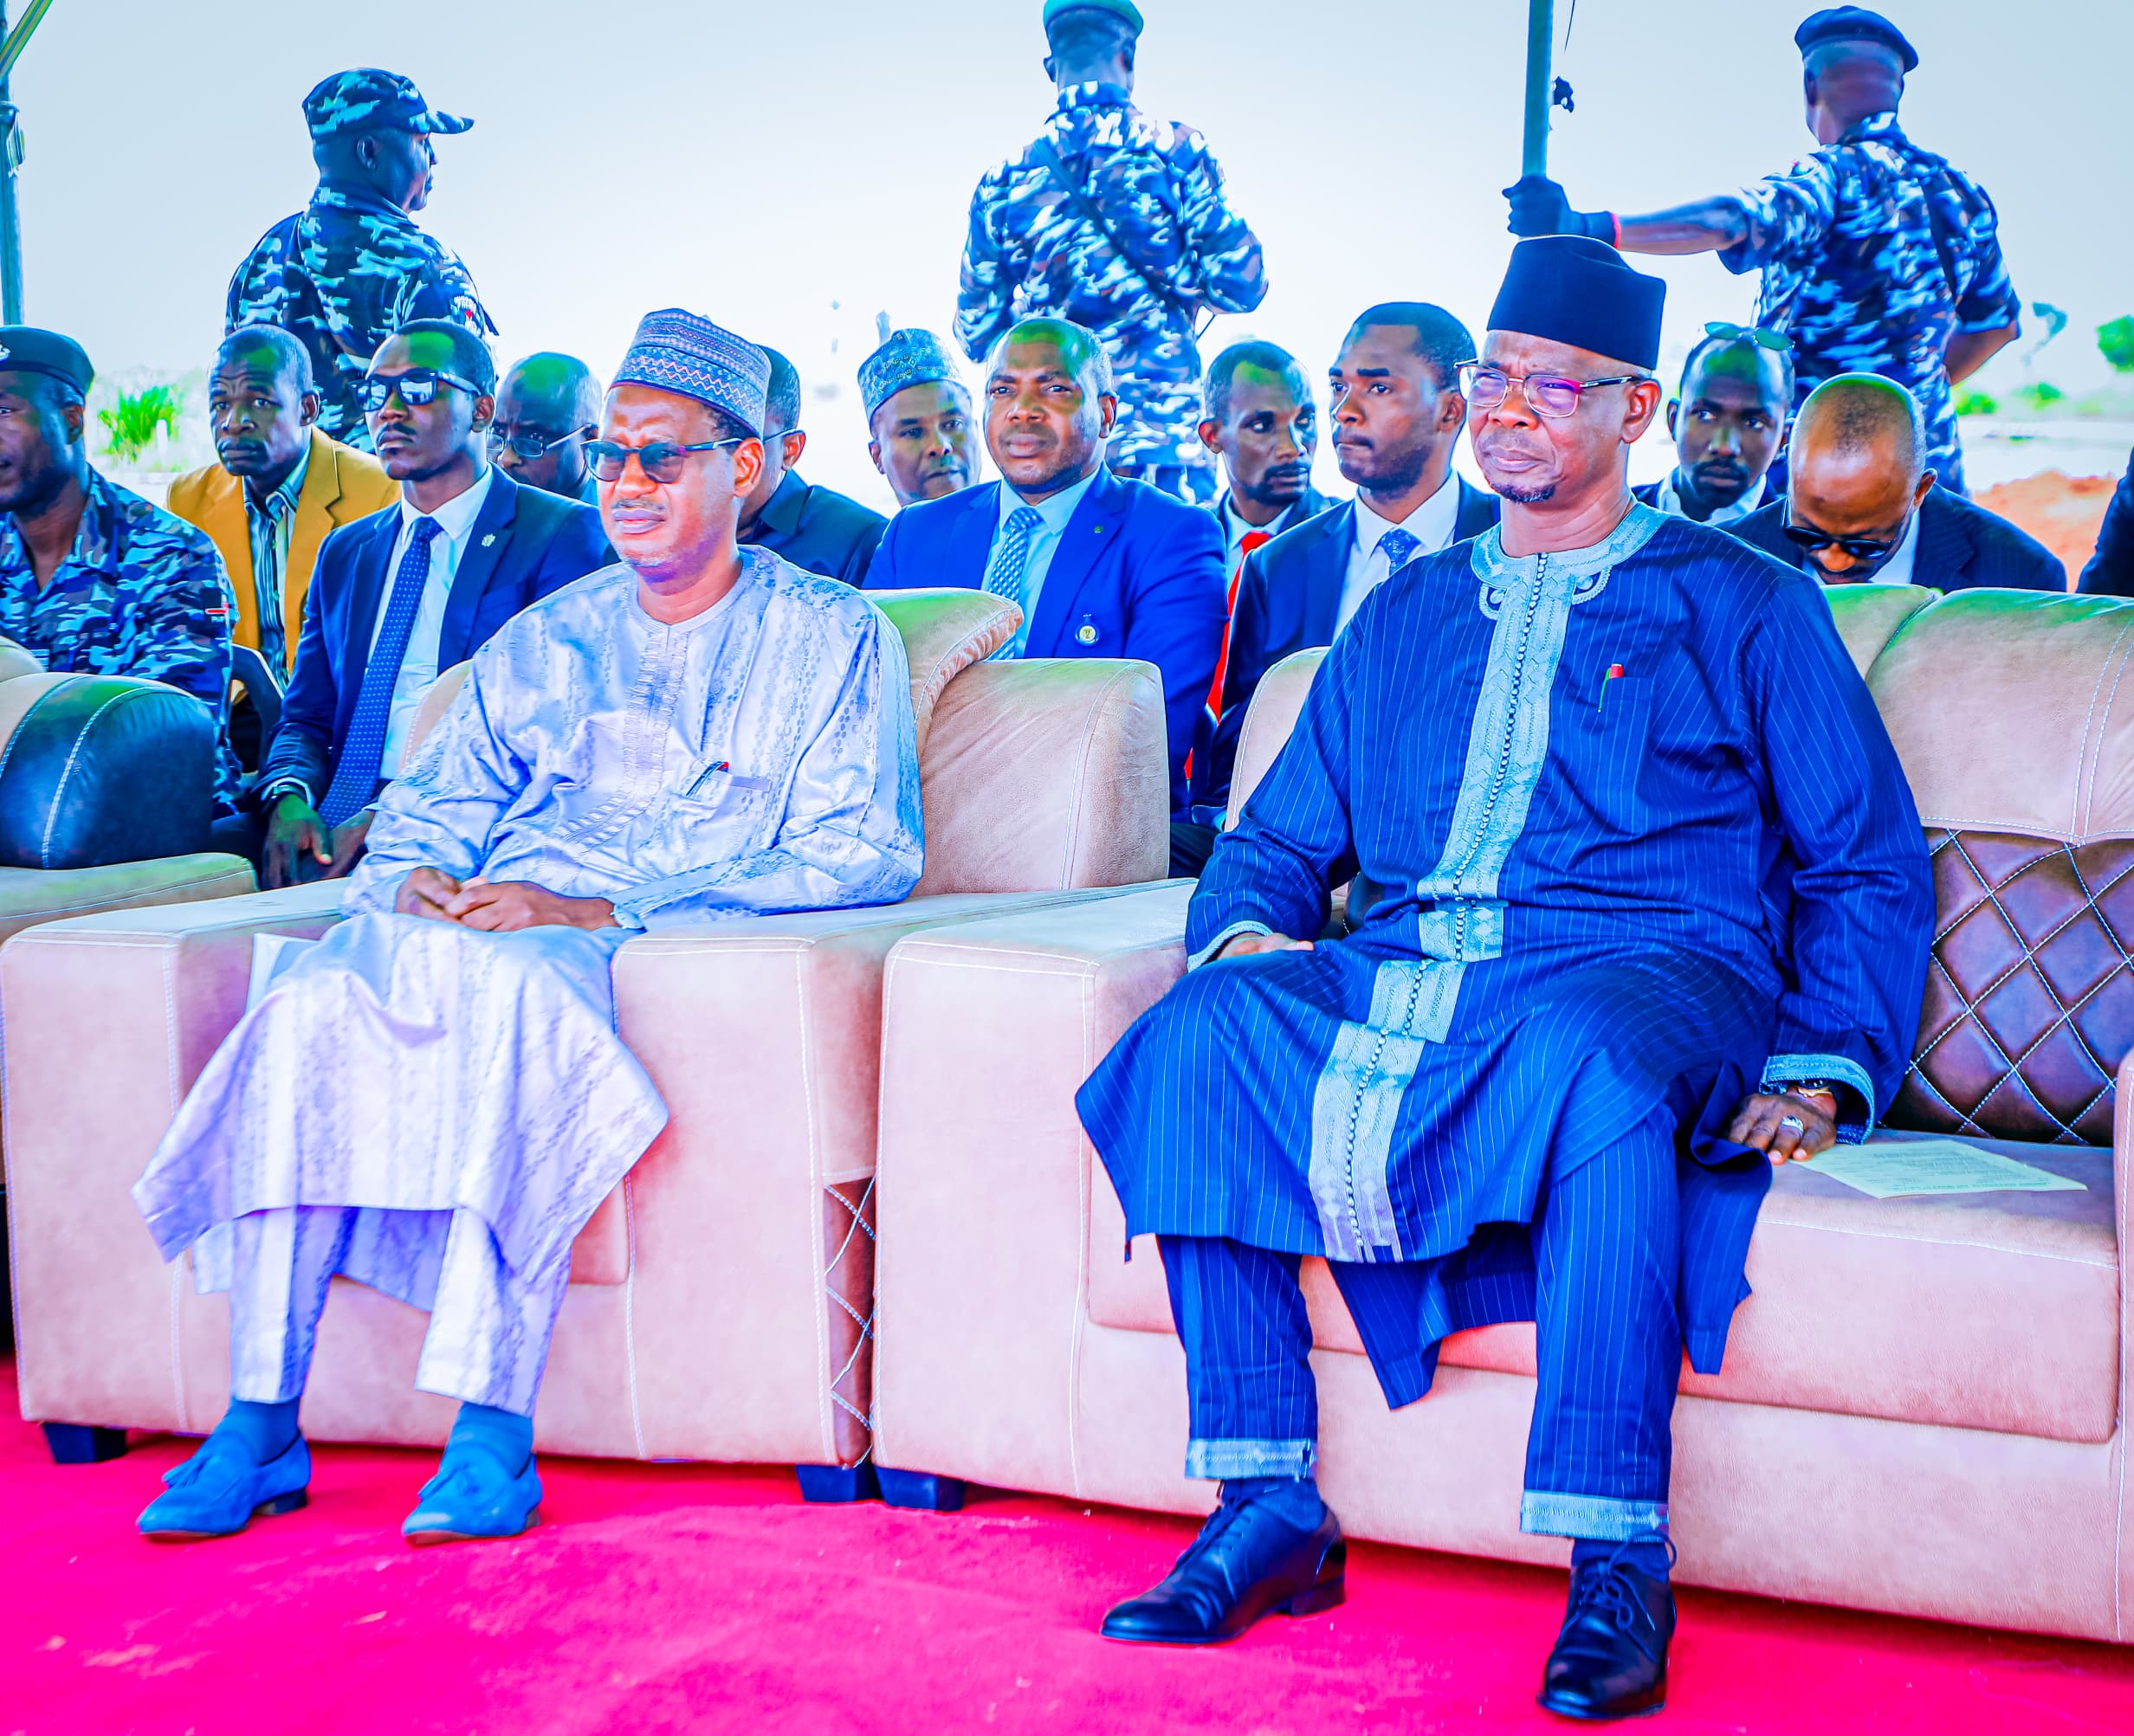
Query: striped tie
{"x": 362, "y": 751}
{"x": 1011, "y": 555}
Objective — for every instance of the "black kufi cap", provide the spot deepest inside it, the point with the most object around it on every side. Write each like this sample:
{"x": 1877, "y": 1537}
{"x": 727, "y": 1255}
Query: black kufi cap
{"x": 1853, "y": 24}
{"x": 31, "y": 350}
{"x": 1571, "y": 289}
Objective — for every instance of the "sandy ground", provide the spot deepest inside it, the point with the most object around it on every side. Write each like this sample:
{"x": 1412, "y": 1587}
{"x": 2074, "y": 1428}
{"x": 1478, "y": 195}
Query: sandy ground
{"x": 2064, "y": 513}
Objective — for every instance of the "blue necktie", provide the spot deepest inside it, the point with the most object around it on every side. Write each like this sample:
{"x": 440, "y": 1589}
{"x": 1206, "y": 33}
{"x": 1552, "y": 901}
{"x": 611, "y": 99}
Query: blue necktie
{"x": 1398, "y": 547}
{"x": 363, "y": 753}
{"x": 1011, "y": 555}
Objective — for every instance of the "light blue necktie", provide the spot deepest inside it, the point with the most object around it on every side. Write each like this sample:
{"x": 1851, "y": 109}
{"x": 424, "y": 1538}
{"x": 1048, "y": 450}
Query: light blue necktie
{"x": 1011, "y": 554}
{"x": 362, "y": 751}
{"x": 1398, "y": 547}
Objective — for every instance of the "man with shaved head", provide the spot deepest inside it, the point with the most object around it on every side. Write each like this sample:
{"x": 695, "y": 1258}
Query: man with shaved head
{"x": 1100, "y": 566}
{"x": 547, "y": 408}
{"x": 1727, "y": 422}
{"x": 1876, "y": 255}
{"x": 1580, "y": 773}
{"x": 1863, "y": 506}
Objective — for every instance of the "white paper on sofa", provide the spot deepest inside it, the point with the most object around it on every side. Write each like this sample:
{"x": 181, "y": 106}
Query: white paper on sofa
{"x": 1930, "y": 1166}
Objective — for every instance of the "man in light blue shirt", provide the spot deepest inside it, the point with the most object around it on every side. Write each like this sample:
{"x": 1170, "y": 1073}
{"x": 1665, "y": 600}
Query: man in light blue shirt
{"x": 1101, "y": 566}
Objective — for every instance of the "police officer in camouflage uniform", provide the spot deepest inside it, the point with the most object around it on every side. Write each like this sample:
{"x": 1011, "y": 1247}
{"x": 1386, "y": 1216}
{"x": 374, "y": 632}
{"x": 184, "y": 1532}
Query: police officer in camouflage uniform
{"x": 1119, "y": 224}
{"x": 93, "y": 579}
{"x": 351, "y": 268}
{"x": 1876, "y": 256}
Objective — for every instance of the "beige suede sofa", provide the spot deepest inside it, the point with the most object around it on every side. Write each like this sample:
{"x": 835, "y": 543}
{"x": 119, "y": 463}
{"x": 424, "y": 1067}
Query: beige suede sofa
{"x": 1923, "y": 1404}
{"x": 720, "y": 1300}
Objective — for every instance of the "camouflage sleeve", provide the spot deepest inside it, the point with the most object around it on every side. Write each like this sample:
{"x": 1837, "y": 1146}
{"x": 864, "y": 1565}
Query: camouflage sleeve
{"x": 984, "y": 302}
{"x": 181, "y": 635}
{"x": 1787, "y": 215}
{"x": 444, "y": 290}
{"x": 1989, "y": 301}
{"x": 1226, "y": 254}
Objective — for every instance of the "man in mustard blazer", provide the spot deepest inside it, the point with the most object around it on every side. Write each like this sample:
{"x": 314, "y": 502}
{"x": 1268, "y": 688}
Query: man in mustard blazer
{"x": 280, "y": 487}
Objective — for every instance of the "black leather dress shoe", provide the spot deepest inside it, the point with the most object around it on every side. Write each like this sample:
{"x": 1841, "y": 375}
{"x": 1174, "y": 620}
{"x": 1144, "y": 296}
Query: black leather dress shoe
{"x": 1611, "y": 1658}
{"x": 1251, "y": 1557}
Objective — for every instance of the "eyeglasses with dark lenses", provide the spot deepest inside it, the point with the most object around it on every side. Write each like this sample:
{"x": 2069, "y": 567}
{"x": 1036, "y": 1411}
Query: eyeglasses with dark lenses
{"x": 1872, "y": 550}
{"x": 660, "y": 460}
{"x": 531, "y": 446}
{"x": 1761, "y": 336}
{"x": 416, "y": 385}
{"x": 1549, "y": 395}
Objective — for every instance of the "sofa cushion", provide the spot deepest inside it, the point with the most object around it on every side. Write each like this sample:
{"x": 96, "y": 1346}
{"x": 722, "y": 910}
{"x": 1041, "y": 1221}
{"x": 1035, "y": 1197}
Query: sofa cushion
{"x": 102, "y": 769}
{"x": 1868, "y": 616}
{"x": 945, "y": 632}
{"x": 2029, "y": 1005}
{"x": 1995, "y": 1311}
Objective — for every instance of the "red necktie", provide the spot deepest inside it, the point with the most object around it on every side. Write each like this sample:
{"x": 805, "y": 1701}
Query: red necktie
{"x": 1246, "y": 544}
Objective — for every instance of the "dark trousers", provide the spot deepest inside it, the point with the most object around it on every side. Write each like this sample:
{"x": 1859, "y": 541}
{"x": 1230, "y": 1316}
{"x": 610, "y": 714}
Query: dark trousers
{"x": 1607, "y": 1255}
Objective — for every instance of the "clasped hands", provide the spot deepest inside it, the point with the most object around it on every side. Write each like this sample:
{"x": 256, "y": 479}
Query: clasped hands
{"x": 1784, "y": 1127}
{"x": 496, "y": 906}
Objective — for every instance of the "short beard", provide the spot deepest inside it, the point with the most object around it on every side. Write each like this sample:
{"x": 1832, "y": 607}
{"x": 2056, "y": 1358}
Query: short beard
{"x": 1529, "y": 497}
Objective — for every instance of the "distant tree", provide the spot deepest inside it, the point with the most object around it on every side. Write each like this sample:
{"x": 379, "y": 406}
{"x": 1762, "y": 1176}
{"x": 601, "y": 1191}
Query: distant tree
{"x": 130, "y": 425}
{"x": 2116, "y": 339}
{"x": 1972, "y": 401}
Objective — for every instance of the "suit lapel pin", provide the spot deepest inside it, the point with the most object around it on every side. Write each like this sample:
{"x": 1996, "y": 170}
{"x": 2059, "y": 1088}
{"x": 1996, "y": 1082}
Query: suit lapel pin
{"x": 1086, "y": 632}
{"x": 488, "y": 540}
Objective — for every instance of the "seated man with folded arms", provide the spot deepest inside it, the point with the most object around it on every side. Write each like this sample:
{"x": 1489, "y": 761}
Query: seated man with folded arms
{"x": 433, "y": 1100}
{"x": 1641, "y": 906}
{"x": 1861, "y": 507}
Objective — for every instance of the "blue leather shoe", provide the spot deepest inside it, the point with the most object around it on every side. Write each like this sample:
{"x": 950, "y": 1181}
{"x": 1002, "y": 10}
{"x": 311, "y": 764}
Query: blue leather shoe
{"x": 1250, "y": 1558}
{"x": 473, "y": 1497}
{"x": 221, "y": 1489}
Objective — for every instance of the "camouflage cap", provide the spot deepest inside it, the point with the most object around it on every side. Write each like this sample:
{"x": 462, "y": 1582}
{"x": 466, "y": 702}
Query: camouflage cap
{"x": 1124, "y": 10}
{"x": 30, "y": 350}
{"x": 365, "y": 97}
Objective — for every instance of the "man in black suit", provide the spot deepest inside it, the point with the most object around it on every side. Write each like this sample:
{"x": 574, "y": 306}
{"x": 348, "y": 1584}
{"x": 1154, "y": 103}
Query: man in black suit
{"x": 2110, "y": 572}
{"x": 1727, "y": 422}
{"x": 405, "y": 593}
{"x": 1397, "y": 413}
{"x": 813, "y": 527}
{"x": 1259, "y": 419}
{"x": 1861, "y": 507}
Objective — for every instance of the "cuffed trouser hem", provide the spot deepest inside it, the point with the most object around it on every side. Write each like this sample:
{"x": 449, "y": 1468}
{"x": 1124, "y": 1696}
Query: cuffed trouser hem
{"x": 1218, "y": 1461}
{"x": 1599, "y": 1518}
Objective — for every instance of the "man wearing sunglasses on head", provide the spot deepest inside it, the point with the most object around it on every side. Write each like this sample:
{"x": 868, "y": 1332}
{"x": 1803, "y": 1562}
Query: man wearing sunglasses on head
{"x": 1727, "y": 422}
{"x": 406, "y": 593}
{"x": 433, "y": 1100}
{"x": 1862, "y": 508}
{"x": 547, "y": 408}
{"x": 1571, "y": 769}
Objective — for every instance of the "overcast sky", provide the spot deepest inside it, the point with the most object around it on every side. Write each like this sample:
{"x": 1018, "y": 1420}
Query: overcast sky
{"x": 792, "y": 168}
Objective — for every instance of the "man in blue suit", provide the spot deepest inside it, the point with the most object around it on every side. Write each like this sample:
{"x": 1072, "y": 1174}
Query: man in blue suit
{"x": 1861, "y": 507}
{"x": 407, "y": 592}
{"x": 1102, "y": 567}
{"x": 1397, "y": 411}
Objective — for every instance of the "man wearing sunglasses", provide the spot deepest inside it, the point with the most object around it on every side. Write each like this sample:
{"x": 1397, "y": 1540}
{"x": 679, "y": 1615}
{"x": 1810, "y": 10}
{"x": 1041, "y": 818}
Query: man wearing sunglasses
{"x": 816, "y": 528}
{"x": 1862, "y": 508}
{"x": 433, "y": 1100}
{"x": 547, "y": 408}
{"x": 1574, "y": 766}
{"x": 407, "y": 592}
{"x": 1876, "y": 255}
{"x": 1727, "y": 422}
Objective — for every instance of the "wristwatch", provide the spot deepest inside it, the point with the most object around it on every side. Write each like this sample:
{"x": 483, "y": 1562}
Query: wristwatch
{"x": 1810, "y": 1087}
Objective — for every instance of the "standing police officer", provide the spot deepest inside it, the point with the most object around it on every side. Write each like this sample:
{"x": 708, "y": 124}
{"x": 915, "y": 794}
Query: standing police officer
{"x": 353, "y": 268}
{"x": 1118, "y": 224}
{"x": 1876, "y": 256}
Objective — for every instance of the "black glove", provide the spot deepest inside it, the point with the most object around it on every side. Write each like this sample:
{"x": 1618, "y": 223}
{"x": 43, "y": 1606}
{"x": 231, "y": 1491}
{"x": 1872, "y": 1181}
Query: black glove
{"x": 1539, "y": 207}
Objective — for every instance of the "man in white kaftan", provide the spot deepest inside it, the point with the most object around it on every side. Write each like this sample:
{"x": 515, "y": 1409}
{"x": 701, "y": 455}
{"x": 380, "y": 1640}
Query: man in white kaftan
{"x": 433, "y": 1100}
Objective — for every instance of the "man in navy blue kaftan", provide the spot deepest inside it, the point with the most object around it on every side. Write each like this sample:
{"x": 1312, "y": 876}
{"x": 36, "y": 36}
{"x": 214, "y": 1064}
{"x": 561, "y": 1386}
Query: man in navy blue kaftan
{"x": 1640, "y": 906}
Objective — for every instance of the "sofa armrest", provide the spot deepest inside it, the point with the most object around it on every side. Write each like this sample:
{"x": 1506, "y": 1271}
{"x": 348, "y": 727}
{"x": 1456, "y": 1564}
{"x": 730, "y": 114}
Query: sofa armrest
{"x": 982, "y": 1278}
{"x": 106, "y": 1022}
{"x": 28, "y": 896}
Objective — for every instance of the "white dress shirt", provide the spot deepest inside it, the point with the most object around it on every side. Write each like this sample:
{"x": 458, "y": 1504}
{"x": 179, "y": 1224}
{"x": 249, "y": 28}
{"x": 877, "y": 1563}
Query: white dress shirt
{"x": 418, "y": 668}
{"x": 1430, "y": 524}
{"x": 1669, "y": 502}
{"x": 1898, "y": 569}
{"x": 1053, "y": 513}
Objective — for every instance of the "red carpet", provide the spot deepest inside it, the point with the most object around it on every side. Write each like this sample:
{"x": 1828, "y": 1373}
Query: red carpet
{"x": 683, "y": 1598}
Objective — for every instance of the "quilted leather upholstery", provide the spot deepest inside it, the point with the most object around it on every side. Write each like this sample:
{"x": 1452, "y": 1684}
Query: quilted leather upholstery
{"x": 2029, "y": 1005}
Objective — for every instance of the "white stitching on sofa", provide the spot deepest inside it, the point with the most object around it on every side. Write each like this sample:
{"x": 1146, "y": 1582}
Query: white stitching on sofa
{"x": 630, "y": 1317}
{"x": 74, "y": 753}
{"x": 1065, "y": 875}
{"x": 177, "y": 1267}
{"x": 2093, "y": 748}
{"x": 1084, "y": 1157}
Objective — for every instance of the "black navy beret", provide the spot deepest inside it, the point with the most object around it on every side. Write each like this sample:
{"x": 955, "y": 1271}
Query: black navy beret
{"x": 31, "y": 350}
{"x": 1853, "y": 24}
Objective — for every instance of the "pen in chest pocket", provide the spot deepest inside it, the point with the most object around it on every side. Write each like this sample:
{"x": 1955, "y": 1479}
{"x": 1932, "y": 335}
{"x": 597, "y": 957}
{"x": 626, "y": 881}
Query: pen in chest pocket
{"x": 1614, "y": 674}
